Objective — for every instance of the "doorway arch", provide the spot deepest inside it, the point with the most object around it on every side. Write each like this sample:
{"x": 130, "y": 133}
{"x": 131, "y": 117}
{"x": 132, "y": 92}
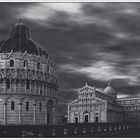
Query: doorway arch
{"x": 97, "y": 117}
{"x": 86, "y": 117}
{"x": 50, "y": 116}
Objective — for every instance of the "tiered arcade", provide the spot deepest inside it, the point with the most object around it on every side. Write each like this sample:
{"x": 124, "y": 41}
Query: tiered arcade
{"x": 28, "y": 80}
{"x": 93, "y": 105}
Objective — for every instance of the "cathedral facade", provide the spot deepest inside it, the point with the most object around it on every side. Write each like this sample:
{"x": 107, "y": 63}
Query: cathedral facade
{"x": 93, "y": 105}
{"x": 28, "y": 80}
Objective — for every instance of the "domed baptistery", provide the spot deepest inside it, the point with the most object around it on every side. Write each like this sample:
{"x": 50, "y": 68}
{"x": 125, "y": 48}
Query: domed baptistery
{"x": 28, "y": 80}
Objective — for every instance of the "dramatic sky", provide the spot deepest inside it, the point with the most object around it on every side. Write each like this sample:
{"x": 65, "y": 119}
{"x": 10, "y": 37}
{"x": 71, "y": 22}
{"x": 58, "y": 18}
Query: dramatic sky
{"x": 95, "y": 43}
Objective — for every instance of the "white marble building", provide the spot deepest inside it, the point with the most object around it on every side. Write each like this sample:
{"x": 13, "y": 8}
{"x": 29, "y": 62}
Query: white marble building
{"x": 93, "y": 105}
{"x": 28, "y": 80}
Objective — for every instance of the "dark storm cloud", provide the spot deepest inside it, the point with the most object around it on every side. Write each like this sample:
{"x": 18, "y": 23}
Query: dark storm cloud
{"x": 90, "y": 42}
{"x": 8, "y": 12}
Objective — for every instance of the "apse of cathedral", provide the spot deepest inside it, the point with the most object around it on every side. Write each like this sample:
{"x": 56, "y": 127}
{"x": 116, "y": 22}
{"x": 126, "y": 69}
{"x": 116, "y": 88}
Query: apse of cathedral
{"x": 93, "y": 105}
{"x": 28, "y": 80}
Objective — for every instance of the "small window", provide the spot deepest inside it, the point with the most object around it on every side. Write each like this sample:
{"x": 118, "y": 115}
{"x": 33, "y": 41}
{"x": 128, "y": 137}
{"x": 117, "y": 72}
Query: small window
{"x": 27, "y": 84}
{"x": 25, "y": 63}
{"x": 27, "y": 106}
{"x": 11, "y": 63}
{"x": 12, "y": 105}
{"x": 41, "y": 92}
{"x": 48, "y": 68}
{"x": 38, "y": 65}
{"x": 7, "y": 83}
{"x": 40, "y": 106}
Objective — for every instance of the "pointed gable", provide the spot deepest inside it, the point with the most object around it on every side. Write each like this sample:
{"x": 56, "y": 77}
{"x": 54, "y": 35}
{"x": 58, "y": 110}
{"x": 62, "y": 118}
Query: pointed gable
{"x": 86, "y": 88}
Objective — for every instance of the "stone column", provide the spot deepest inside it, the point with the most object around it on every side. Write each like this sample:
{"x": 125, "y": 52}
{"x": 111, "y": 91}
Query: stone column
{"x": 50, "y": 90}
{"x": 5, "y": 113}
{"x": 56, "y": 93}
{"x": 25, "y": 86}
{"x": 53, "y": 91}
{"x": 5, "y": 86}
{"x": 39, "y": 85}
{"x": 81, "y": 117}
{"x": 99, "y": 116}
{"x": 43, "y": 87}
{"x": 20, "y": 112}
{"x": 15, "y": 82}
{"x": 47, "y": 89}
{"x": 20, "y": 85}
{"x": 34, "y": 86}
{"x": 34, "y": 119}
{"x": 45, "y": 84}
{"x": 53, "y": 115}
{"x": 10, "y": 85}
{"x": 46, "y": 114}
{"x": 68, "y": 119}
{"x": 30, "y": 87}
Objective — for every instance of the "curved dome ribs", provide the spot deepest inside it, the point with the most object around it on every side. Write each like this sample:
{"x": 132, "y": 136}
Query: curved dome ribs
{"x": 41, "y": 50}
{"x": 19, "y": 40}
{"x": 2, "y": 44}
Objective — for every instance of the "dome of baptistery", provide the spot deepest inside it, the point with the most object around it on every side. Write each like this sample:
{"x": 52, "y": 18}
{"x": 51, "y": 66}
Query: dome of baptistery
{"x": 19, "y": 40}
{"x": 28, "y": 80}
{"x": 110, "y": 90}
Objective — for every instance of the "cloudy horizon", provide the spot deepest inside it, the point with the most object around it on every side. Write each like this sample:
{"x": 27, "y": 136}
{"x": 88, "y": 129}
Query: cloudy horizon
{"x": 95, "y": 43}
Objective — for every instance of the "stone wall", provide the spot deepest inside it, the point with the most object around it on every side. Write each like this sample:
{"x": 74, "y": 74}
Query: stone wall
{"x": 27, "y": 79}
{"x": 19, "y": 114}
{"x": 92, "y": 114}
